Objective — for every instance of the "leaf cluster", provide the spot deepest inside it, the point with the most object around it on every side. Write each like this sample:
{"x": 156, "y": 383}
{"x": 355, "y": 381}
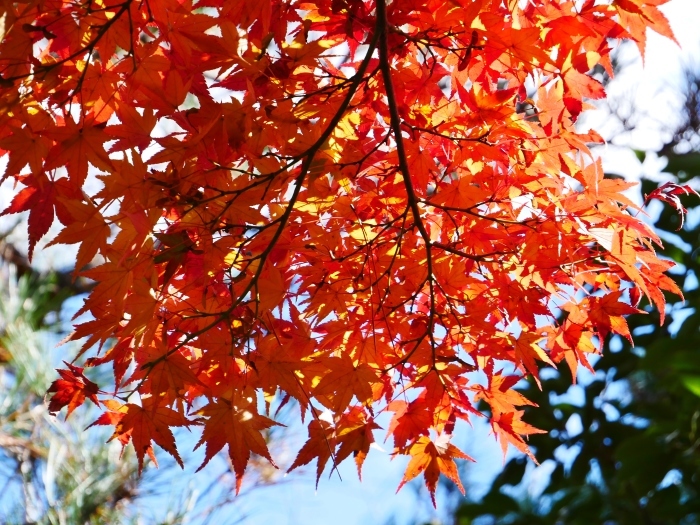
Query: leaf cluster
{"x": 633, "y": 433}
{"x": 353, "y": 205}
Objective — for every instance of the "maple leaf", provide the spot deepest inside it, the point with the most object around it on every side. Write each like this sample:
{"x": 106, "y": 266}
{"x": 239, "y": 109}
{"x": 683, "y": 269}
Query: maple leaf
{"x": 509, "y": 428}
{"x": 25, "y": 147}
{"x": 500, "y": 394}
{"x": 345, "y": 381}
{"x": 167, "y": 373}
{"x": 271, "y": 295}
{"x": 71, "y": 390}
{"x": 38, "y": 199}
{"x": 572, "y": 342}
{"x": 527, "y": 350}
{"x": 142, "y": 424}
{"x": 354, "y": 433}
{"x": 235, "y": 423}
{"x": 409, "y": 420}
{"x": 113, "y": 279}
{"x": 320, "y": 445}
{"x": 579, "y": 86}
{"x": 653, "y": 272}
{"x": 670, "y": 192}
{"x": 280, "y": 366}
{"x": 638, "y": 15}
{"x": 432, "y": 459}
{"x": 135, "y": 128}
{"x": 607, "y": 315}
{"x": 76, "y": 147}
{"x": 87, "y": 228}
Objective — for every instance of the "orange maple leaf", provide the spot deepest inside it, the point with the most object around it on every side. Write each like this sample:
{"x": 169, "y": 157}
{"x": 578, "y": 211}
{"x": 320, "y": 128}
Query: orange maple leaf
{"x": 409, "y": 420}
{"x": 320, "y": 445}
{"x": 433, "y": 458}
{"x": 607, "y": 313}
{"x": 143, "y": 424}
{"x": 345, "y": 381}
{"x": 87, "y": 228}
{"x": 354, "y": 433}
{"x": 235, "y": 423}
{"x": 509, "y": 428}
{"x": 75, "y": 148}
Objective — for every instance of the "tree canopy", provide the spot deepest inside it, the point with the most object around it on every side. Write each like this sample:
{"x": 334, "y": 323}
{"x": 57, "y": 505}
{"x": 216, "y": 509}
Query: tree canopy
{"x": 623, "y": 448}
{"x": 634, "y": 456}
{"x": 365, "y": 207}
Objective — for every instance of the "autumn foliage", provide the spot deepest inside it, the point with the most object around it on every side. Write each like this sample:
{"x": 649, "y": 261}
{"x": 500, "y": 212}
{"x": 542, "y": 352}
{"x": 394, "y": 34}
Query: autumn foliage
{"x": 363, "y": 206}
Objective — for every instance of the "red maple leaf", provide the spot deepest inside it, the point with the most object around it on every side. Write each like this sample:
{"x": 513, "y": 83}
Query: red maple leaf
{"x": 71, "y": 390}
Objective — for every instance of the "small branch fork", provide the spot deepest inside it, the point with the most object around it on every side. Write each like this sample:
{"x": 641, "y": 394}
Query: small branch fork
{"x": 395, "y": 124}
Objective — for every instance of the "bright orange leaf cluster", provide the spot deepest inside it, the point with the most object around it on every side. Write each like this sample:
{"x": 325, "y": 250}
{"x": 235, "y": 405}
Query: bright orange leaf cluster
{"x": 353, "y": 204}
